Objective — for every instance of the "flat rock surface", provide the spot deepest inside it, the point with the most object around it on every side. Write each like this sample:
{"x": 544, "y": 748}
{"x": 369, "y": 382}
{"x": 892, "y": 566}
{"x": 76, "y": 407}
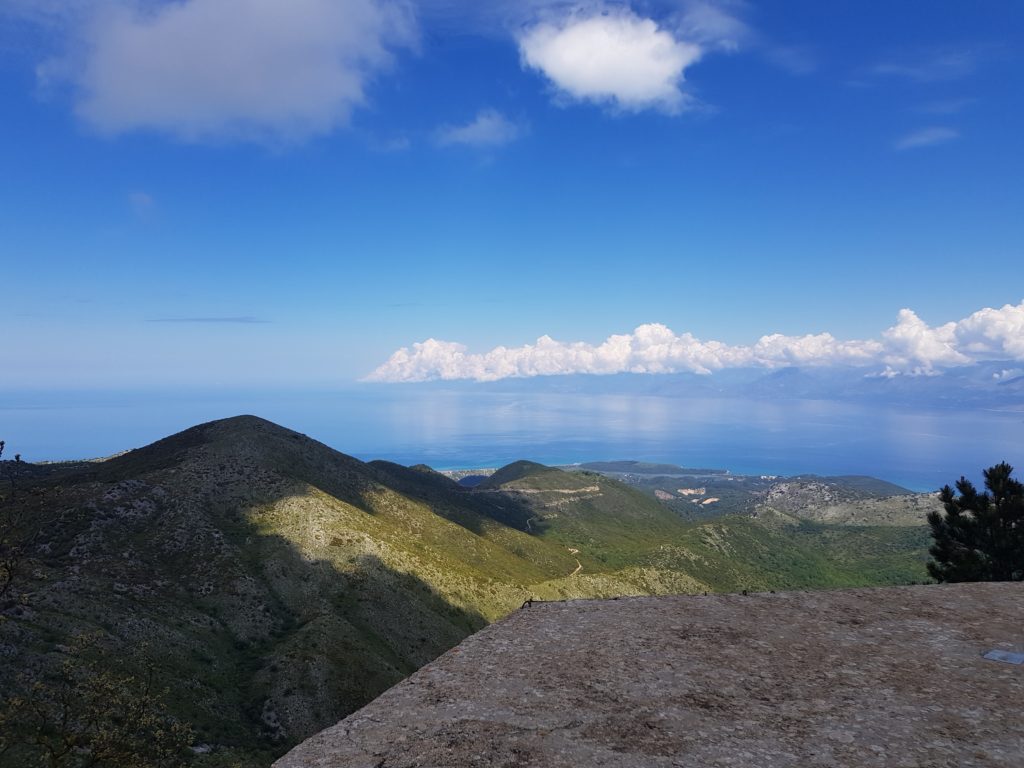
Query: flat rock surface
{"x": 888, "y": 677}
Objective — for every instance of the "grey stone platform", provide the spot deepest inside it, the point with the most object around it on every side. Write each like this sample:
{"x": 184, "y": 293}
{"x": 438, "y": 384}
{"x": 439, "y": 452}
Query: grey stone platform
{"x": 891, "y": 677}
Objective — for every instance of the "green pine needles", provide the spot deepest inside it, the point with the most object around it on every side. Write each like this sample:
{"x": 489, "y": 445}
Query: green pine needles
{"x": 981, "y": 535}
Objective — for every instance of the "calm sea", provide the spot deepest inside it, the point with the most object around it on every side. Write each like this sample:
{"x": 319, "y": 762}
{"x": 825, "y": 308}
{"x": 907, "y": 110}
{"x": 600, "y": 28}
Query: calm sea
{"x": 919, "y": 448}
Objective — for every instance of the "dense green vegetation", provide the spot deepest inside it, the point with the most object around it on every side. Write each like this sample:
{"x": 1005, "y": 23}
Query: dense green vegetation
{"x": 267, "y": 585}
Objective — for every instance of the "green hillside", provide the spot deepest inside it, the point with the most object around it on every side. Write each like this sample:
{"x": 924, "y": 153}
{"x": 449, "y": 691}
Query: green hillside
{"x": 273, "y": 585}
{"x": 617, "y": 529}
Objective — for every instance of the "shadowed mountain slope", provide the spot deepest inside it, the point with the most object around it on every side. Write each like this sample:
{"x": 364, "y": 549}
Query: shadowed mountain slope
{"x": 277, "y": 584}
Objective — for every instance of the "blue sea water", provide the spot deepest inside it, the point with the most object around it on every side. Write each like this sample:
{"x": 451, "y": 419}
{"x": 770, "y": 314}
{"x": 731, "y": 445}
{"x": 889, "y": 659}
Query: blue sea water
{"x": 919, "y": 448}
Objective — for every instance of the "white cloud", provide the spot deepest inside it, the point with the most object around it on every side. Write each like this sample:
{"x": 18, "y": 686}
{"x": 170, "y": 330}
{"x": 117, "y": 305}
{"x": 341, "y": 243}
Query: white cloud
{"x": 390, "y": 145}
{"x": 1008, "y": 373}
{"x": 490, "y": 128}
{"x": 229, "y": 69}
{"x": 612, "y": 57}
{"x": 926, "y": 66}
{"x": 927, "y": 137}
{"x": 51, "y": 13}
{"x": 910, "y": 347}
{"x": 712, "y": 25}
{"x": 945, "y": 106}
{"x": 793, "y": 59}
{"x": 996, "y": 334}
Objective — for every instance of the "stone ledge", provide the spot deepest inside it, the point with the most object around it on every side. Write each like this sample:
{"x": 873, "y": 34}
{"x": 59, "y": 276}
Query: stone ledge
{"x": 891, "y": 677}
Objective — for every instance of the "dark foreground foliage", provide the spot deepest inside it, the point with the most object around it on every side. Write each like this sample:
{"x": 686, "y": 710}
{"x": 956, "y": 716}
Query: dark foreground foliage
{"x": 981, "y": 535}
{"x": 87, "y": 714}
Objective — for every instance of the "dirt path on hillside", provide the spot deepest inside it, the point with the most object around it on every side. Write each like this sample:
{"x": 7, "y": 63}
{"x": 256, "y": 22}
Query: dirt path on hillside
{"x": 579, "y": 565}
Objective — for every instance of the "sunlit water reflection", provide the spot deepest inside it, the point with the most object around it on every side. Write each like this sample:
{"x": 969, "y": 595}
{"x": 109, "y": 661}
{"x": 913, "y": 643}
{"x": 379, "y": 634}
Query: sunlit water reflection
{"x": 919, "y": 448}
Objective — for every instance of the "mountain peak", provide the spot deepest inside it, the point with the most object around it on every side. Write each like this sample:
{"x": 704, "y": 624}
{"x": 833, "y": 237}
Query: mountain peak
{"x": 245, "y": 438}
{"x": 517, "y": 470}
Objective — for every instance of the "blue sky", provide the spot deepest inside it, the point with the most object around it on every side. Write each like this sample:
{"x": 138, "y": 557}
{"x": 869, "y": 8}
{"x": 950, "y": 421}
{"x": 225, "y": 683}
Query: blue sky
{"x": 224, "y": 193}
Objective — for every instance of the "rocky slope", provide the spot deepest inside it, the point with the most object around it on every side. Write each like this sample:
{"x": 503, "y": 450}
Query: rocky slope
{"x": 275, "y": 585}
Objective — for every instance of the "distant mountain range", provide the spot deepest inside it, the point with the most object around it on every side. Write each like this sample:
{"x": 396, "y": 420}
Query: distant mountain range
{"x": 646, "y": 468}
{"x": 275, "y": 584}
{"x": 981, "y": 384}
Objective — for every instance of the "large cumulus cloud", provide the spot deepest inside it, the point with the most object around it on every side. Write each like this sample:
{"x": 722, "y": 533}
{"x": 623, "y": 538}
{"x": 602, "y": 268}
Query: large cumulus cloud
{"x": 909, "y": 347}
{"x": 229, "y": 69}
{"x": 611, "y": 57}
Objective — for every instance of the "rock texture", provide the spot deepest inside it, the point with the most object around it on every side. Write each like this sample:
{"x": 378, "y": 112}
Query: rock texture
{"x": 888, "y": 677}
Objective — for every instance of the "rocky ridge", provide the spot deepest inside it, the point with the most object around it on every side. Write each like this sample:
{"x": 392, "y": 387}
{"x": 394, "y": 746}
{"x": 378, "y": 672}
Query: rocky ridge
{"x": 275, "y": 585}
